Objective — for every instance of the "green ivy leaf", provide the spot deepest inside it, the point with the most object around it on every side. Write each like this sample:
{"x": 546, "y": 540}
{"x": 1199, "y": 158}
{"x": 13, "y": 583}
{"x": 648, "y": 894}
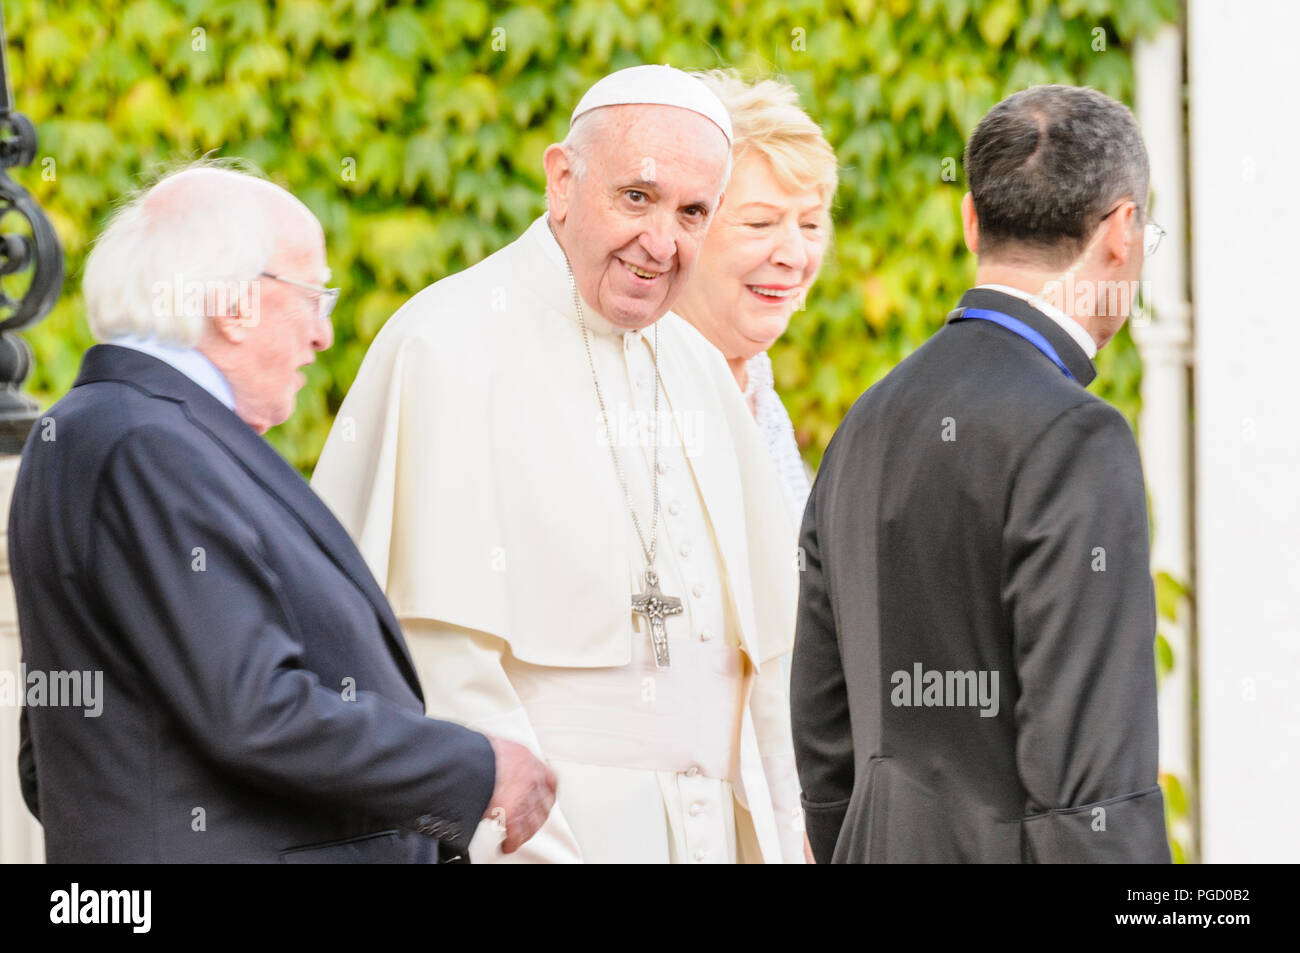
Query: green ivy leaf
{"x": 1169, "y": 595}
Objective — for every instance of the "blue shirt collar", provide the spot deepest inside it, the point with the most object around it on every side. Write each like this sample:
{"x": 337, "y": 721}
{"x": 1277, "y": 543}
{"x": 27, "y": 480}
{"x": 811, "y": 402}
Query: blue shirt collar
{"x": 190, "y": 361}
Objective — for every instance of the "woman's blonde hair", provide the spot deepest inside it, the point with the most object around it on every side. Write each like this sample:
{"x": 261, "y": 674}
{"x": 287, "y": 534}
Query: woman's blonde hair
{"x": 767, "y": 120}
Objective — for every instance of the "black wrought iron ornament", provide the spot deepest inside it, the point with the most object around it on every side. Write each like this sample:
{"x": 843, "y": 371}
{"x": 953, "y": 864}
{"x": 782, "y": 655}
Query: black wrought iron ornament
{"x": 30, "y": 253}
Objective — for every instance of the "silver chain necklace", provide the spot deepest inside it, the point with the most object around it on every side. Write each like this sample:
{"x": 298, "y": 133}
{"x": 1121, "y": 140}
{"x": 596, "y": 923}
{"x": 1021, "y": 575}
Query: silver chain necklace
{"x": 652, "y": 604}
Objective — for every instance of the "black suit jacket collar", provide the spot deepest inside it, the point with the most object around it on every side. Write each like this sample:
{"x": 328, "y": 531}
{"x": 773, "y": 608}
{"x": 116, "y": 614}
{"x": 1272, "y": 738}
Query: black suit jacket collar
{"x": 106, "y": 362}
{"x": 1067, "y": 348}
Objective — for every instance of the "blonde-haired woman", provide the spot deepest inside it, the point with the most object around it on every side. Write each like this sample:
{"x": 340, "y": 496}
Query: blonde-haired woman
{"x": 764, "y": 249}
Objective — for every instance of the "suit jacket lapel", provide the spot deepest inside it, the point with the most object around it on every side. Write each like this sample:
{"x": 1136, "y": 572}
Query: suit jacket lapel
{"x": 1069, "y": 351}
{"x": 263, "y": 464}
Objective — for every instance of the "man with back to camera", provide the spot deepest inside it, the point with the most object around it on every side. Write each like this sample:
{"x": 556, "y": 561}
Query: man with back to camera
{"x": 973, "y": 674}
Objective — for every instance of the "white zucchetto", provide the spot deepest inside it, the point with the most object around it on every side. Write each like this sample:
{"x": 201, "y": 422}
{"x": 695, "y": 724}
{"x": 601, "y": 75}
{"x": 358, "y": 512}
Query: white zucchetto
{"x": 655, "y": 86}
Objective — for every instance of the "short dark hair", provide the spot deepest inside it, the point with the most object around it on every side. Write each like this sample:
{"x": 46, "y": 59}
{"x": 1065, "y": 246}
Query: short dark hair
{"x": 1046, "y": 163}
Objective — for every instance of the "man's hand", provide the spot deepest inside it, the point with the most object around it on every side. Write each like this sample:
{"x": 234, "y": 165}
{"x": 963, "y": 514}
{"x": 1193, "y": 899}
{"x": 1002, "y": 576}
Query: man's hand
{"x": 523, "y": 794}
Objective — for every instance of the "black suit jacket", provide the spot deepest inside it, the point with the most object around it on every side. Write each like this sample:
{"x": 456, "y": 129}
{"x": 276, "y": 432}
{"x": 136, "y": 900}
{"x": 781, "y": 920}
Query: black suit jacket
{"x": 259, "y": 703}
{"x": 979, "y": 512}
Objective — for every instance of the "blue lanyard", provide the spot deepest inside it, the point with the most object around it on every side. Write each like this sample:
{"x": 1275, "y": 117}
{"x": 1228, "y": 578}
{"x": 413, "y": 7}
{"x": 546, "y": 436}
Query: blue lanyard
{"x": 1016, "y": 326}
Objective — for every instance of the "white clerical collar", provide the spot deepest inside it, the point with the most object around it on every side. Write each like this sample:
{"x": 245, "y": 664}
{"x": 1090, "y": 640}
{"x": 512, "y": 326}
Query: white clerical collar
{"x": 541, "y": 230}
{"x": 1071, "y": 326}
{"x": 190, "y": 361}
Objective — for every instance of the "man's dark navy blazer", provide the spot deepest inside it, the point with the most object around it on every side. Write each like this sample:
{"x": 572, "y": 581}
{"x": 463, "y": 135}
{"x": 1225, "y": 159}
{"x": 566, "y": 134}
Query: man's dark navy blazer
{"x": 259, "y": 703}
{"x": 979, "y": 513}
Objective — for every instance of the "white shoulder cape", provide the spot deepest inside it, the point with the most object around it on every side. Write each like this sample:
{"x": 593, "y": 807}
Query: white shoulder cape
{"x": 466, "y": 464}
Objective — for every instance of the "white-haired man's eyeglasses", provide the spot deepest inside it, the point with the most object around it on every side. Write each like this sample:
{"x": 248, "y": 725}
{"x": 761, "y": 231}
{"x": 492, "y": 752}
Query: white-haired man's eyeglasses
{"x": 325, "y": 297}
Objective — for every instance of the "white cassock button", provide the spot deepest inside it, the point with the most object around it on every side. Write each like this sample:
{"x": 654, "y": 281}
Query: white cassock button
{"x": 706, "y": 635}
{"x": 700, "y": 855}
{"x": 686, "y": 549}
{"x": 692, "y": 771}
{"x": 663, "y": 467}
{"x": 674, "y": 507}
{"x": 697, "y": 590}
{"x": 697, "y": 809}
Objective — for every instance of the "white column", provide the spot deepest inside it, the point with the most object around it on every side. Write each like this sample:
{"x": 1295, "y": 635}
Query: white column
{"x": 1163, "y": 335}
{"x": 1245, "y": 201}
{"x": 20, "y": 835}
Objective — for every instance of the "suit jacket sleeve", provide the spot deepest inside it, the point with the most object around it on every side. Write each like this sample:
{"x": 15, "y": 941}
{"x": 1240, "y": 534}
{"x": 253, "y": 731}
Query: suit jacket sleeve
{"x": 464, "y": 681}
{"x": 819, "y": 705}
{"x": 1077, "y": 585}
{"x": 219, "y": 648}
{"x": 27, "y": 766}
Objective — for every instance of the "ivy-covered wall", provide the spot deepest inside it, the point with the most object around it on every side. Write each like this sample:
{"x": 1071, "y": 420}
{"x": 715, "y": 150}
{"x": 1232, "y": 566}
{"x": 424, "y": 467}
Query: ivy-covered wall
{"x": 415, "y": 131}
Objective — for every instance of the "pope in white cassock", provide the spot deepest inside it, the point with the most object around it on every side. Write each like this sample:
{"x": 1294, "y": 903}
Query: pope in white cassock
{"x": 567, "y": 502}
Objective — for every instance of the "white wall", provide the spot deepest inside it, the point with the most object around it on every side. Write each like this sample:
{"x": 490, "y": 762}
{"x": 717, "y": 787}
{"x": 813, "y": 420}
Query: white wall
{"x": 1245, "y": 207}
{"x": 20, "y": 836}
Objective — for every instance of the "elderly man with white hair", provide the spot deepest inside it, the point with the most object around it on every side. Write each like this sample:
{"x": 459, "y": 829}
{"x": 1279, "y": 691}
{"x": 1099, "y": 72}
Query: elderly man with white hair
{"x": 558, "y": 484}
{"x": 257, "y": 702}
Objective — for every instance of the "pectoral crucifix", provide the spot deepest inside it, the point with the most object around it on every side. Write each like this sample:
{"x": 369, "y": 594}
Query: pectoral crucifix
{"x": 655, "y": 606}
